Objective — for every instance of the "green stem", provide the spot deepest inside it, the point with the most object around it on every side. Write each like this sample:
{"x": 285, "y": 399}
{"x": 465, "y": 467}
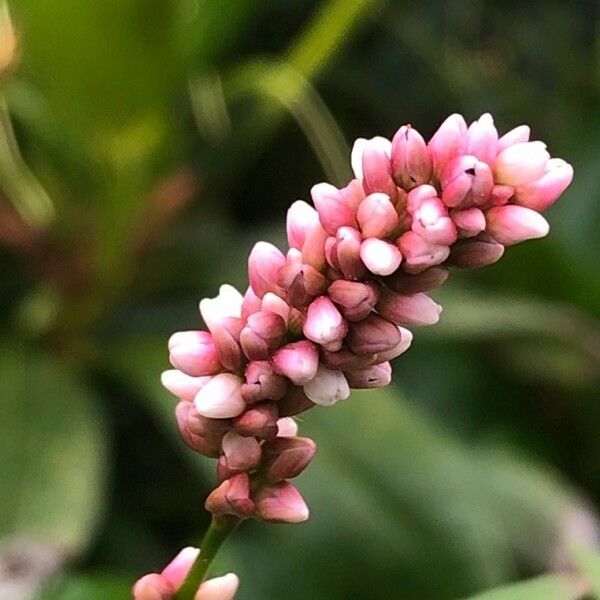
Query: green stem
{"x": 218, "y": 532}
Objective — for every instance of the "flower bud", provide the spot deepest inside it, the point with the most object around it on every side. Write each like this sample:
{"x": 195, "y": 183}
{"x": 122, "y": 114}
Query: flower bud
{"x": 297, "y": 361}
{"x": 518, "y": 135}
{"x": 194, "y": 353}
{"x": 301, "y": 281}
{"x": 294, "y": 403}
{"x": 372, "y": 335}
{"x": 177, "y": 570}
{"x": 240, "y": 454}
{"x": 264, "y": 263}
{"x": 427, "y": 280}
{"x": 469, "y": 221}
{"x": 153, "y": 587}
{"x": 417, "y": 309}
{"x": 375, "y": 376}
{"x": 482, "y": 139}
{"x": 250, "y": 304}
{"x": 354, "y": 299}
{"x": 540, "y": 194}
{"x": 466, "y": 181}
{"x": 380, "y": 257}
{"x": 221, "y": 397}
{"x": 475, "y": 253}
{"x": 432, "y": 223}
{"x": 274, "y": 304}
{"x": 228, "y": 303}
{"x": 511, "y": 224}
{"x": 333, "y": 210}
{"x": 259, "y": 421}
{"x": 262, "y": 383}
{"x": 411, "y": 163}
{"x": 300, "y": 218}
{"x": 287, "y": 427}
{"x": 219, "y": 588}
{"x": 324, "y": 324}
{"x": 226, "y": 335}
{"x": 521, "y": 163}
{"x": 280, "y": 503}
{"x": 285, "y": 458}
{"x": 377, "y": 216}
{"x": 183, "y": 386}
{"x": 501, "y": 194}
{"x": 199, "y": 433}
{"x": 377, "y": 166}
{"x": 232, "y": 497}
{"x": 447, "y": 142}
{"x": 420, "y": 254}
{"x": 405, "y": 342}
{"x": 327, "y": 388}
{"x": 313, "y": 250}
{"x": 347, "y": 249}
{"x": 263, "y": 333}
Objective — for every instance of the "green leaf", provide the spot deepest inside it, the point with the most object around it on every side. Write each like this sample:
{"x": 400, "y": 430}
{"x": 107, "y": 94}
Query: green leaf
{"x": 90, "y": 587}
{"x": 52, "y": 453}
{"x": 588, "y": 562}
{"x": 549, "y": 587}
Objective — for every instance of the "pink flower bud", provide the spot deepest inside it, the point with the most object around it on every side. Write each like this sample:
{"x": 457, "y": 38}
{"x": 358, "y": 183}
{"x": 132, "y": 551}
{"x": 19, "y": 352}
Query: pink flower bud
{"x": 300, "y": 218}
{"x": 219, "y": 588}
{"x": 153, "y": 587}
{"x": 227, "y": 304}
{"x": 475, "y": 253}
{"x": 542, "y": 193}
{"x": 447, "y": 142}
{"x": 262, "y": 383}
{"x": 469, "y": 221}
{"x": 466, "y": 181}
{"x": 240, "y": 454}
{"x": 313, "y": 250}
{"x": 418, "y": 195}
{"x": 354, "y": 299}
{"x": 177, "y": 570}
{"x": 226, "y": 335}
{"x": 377, "y": 216}
{"x": 287, "y": 427}
{"x": 280, "y": 503}
{"x": 333, "y": 210}
{"x": 422, "y": 282}
{"x": 221, "y": 397}
{"x": 250, "y": 304}
{"x": 259, "y": 421}
{"x": 324, "y": 324}
{"x": 411, "y": 163}
{"x": 302, "y": 282}
{"x": 482, "y": 139}
{"x": 405, "y": 342}
{"x": 373, "y": 377}
{"x": 199, "y": 433}
{"x": 297, "y": 361}
{"x": 327, "y": 388}
{"x": 521, "y": 163}
{"x": 181, "y": 385}
{"x": 294, "y": 403}
{"x": 345, "y": 360}
{"x": 377, "y": 166}
{"x": 194, "y": 353}
{"x": 348, "y": 248}
{"x": 232, "y": 497}
{"x": 518, "y": 135}
{"x": 380, "y": 257}
{"x": 372, "y": 335}
{"x": 286, "y": 458}
{"x": 263, "y": 333}
{"x": 276, "y": 305}
{"x": 420, "y": 254}
{"x": 511, "y": 224}
{"x": 501, "y": 194}
{"x": 418, "y": 309}
{"x": 432, "y": 223}
{"x": 264, "y": 263}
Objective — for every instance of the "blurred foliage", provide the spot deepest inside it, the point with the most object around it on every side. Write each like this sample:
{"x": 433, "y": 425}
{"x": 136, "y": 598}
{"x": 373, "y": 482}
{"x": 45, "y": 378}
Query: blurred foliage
{"x": 144, "y": 146}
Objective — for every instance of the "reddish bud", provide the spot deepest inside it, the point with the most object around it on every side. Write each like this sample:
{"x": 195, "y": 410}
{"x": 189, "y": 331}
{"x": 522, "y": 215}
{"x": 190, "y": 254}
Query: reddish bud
{"x": 372, "y": 335}
{"x": 415, "y": 309}
{"x": 232, "y": 497}
{"x": 285, "y": 458}
{"x": 354, "y": 299}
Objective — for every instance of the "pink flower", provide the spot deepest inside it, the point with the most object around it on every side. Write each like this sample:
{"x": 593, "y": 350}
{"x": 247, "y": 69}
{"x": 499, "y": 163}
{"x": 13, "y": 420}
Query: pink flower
{"x": 324, "y": 324}
{"x": 411, "y": 162}
{"x": 264, "y": 263}
{"x": 380, "y": 257}
{"x": 510, "y": 225}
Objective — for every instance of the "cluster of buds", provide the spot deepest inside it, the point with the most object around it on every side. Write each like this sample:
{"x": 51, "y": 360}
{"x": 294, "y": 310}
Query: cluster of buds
{"x": 331, "y": 313}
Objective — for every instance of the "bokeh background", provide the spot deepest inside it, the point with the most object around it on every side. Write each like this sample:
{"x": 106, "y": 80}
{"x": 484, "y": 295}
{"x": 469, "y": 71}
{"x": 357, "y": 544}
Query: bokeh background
{"x": 144, "y": 146}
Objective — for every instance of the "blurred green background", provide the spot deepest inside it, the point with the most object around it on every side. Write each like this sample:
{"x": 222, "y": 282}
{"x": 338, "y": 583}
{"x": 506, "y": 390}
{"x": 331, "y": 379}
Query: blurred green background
{"x": 144, "y": 146}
